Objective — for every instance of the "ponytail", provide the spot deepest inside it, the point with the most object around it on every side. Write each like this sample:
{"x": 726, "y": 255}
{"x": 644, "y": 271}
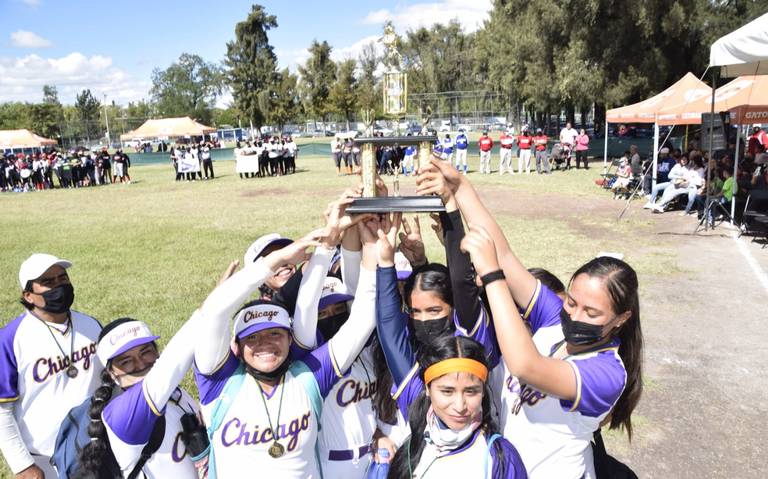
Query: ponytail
{"x": 97, "y": 459}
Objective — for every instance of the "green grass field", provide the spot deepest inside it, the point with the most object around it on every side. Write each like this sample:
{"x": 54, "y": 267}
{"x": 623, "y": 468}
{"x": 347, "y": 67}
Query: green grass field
{"x": 152, "y": 250}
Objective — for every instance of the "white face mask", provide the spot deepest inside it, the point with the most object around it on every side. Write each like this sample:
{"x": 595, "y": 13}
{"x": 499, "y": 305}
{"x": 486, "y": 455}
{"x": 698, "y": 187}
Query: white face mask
{"x": 445, "y": 438}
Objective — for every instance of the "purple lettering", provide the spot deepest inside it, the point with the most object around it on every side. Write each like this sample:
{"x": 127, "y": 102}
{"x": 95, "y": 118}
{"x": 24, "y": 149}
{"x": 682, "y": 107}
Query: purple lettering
{"x": 236, "y": 423}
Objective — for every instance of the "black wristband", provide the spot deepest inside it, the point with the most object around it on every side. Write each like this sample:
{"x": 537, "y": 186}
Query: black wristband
{"x": 489, "y": 278}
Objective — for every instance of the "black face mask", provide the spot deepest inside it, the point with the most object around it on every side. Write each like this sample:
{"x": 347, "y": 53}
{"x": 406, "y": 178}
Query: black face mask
{"x": 330, "y": 326}
{"x": 579, "y": 333}
{"x": 426, "y": 331}
{"x": 271, "y": 376}
{"x": 59, "y": 299}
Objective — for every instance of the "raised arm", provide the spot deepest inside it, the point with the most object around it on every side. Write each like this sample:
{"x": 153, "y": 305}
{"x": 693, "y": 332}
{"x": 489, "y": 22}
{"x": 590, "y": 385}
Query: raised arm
{"x": 439, "y": 175}
{"x": 548, "y": 375}
{"x": 305, "y": 315}
{"x": 212, "y": 344}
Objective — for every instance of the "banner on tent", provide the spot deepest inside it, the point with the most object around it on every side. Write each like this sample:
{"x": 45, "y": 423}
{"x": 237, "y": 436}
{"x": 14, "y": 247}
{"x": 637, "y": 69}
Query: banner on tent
{"x": 720, "y": 130}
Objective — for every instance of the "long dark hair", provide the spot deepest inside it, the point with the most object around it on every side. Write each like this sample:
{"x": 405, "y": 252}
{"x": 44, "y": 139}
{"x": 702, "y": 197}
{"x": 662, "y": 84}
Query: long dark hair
{"x": 383, "y": 404}
{"x": 621, "y": 284}
{"x": 97, "y": 459}
{"x": 432, "y": 277}
{"x": 444, "y": 347}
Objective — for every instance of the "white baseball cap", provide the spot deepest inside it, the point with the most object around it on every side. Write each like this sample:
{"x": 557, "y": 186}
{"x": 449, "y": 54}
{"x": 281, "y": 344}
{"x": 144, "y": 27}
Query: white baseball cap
{"x": 256, "y": 249}
{"x": 124, "y": 337}
{"x": 664, "y": 150}
{"x": 260, "y": 316}
{"x": 334, "y": 291}
{"x": 37, "y": 264}
{"x": 402, "y": 266}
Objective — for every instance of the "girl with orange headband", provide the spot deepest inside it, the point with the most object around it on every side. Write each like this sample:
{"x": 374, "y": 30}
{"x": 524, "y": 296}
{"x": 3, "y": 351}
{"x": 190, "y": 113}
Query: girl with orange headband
{"x": 448, "y": 407}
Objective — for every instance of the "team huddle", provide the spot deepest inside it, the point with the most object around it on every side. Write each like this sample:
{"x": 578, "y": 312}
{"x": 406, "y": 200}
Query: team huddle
{"x": 360, "y": 358}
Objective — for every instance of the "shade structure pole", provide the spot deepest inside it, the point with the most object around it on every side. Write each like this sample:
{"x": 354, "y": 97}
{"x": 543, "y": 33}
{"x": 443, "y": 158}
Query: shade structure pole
{"x": 655, "y": 151}
{"x": 711, "y": 140}
{"x": 605, "y": 146}
{"x": 735, "y": 170}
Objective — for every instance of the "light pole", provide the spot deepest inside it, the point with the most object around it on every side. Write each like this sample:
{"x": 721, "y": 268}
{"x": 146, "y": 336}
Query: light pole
{"x": 106, "y": 120}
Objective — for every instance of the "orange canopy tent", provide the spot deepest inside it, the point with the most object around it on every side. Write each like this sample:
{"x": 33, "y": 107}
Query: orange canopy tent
{"x": 10, "y": 139}
{"x": 684, "y": 91}
{"x": 168, "y": 127}
{"x": 745, "y": 97}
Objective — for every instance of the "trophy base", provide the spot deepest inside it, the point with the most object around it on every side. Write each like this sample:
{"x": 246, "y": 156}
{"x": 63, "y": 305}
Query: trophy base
{"x": 393, "y": 204}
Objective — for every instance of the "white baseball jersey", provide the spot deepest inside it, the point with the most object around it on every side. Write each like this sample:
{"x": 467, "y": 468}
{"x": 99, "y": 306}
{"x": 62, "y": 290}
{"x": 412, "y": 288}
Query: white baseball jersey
{"x": 34, "y": 373}
{"x": 348, "y": 420}
{"x": 129, "y": 420}
{"x": 553, "y": 435}
{"x": 243, "y": 440}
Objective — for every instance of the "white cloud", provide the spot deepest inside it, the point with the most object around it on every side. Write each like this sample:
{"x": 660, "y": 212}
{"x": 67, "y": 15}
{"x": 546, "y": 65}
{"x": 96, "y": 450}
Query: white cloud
{"x": 22, "y": 79}
{"x": 353, "y": 51}
{"x": 470, "y": 13}
{"x": 25, "y": 39}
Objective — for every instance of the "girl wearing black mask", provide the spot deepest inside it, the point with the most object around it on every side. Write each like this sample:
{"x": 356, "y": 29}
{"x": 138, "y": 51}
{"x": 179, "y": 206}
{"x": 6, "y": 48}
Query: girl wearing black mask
{"x": 582, "y": 367}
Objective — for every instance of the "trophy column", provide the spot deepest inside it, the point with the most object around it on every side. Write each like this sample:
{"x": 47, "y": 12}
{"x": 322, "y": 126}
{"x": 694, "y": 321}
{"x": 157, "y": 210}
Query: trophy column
{"x": 368, "y": 171}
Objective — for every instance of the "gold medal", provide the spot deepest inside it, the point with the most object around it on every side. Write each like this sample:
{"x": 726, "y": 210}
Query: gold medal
{"x": 72, "y": 372}
{"x": 276, "y": 450}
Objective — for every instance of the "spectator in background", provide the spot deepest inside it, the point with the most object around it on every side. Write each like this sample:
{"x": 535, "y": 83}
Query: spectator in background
{"x": 461, "y": 151}
{"x": 540, "y": 143}
{"x": 505, "y": 153}
{"x": 663, "y": 166}
{"x": 346, "y": 153}
{"x": 356, "y": 153}
{"x": 635, "y": 162}
{"x": 524, "y": 142}
{"x": 758, "y": 138}
{"x": 582, "y": 145}
{"x": 207, "y": 161}
{"x": 675, "y": 175}
{"x": 448, "y": 148}
{"x": 568, "y": 139}
{"x": 485, "y": 143}
{"x": 336, "y": 154}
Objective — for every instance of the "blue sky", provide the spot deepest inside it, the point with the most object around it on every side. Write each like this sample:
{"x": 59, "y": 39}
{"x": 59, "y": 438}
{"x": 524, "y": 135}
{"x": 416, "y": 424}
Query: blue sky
{"x": 112, "y": 47}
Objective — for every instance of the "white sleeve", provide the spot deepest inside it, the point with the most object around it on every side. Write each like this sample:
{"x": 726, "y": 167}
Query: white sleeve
{"x": 347, "y": 343}
{"x": 14, "y": 450}
{"x": 350, "y": 268}
{"x": 305, "y": 314}
{"x": 173, "y": 363}
{"x": 212, "y": 345}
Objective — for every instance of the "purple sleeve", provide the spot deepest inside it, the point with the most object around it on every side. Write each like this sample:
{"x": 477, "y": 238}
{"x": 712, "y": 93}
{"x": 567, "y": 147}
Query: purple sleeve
{"x": 130, "y": 416}
{"x": 9, "y": 379}
{"x": 324, "y": 367}
{"x": 543, "y": 309}
{"x": 210, "y": 386}
{"x": 600, "y": 380}
{"x": 407, "y": 393}
{"x": 513, "y": 464}
{"x": 484, "y": 334}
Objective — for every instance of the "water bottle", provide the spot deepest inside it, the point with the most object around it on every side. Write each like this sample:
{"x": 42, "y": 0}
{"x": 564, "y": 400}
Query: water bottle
{"x": 379, "y": 470}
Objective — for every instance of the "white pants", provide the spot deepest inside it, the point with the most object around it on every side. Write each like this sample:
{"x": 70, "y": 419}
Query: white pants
{"x": 485, "y": 161}
{"x": 407, "y": 164}
{"x": 352, "y": 469}
{"x": 524, "y": 159}
{"x": 505, "y": 161}
{"x": 461, "y": 158}
{"x": 447, "y": 157}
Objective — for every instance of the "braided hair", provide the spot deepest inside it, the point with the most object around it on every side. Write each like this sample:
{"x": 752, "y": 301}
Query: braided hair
{"x": 97, "y": 461}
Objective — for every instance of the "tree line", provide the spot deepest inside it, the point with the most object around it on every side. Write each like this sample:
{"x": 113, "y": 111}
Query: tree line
{"x": 540, "y": 58}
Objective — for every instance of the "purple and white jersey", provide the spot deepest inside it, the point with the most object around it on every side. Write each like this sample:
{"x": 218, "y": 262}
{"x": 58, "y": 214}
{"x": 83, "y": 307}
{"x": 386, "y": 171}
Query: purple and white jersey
{"x": 129, "y": 419}
{"x": 243, "y": 440}
{"x": 349, "y": 420}
{"x": 33, "y": 373}
{"x": 553, "y": 435}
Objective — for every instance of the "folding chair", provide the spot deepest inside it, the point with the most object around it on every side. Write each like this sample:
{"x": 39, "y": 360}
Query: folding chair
{"x": 754, "y": 221}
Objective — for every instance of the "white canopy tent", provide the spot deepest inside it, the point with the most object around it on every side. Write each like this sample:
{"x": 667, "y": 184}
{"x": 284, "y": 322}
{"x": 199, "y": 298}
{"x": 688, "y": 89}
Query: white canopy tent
{"x": 741, "y": 52}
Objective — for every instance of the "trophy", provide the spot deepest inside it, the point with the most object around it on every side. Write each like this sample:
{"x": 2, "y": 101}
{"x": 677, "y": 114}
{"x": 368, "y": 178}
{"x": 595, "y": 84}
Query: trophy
{"x": 395, "y": 106}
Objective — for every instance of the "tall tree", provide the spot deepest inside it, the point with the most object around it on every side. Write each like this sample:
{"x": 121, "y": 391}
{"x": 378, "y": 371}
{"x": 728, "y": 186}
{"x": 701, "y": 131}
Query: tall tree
{"x": 286, "y": 104}
{"x": 47, "y": 117}
{"x": 343, "y": 93}
{"x": 188, "y": 87}
{"x": 317, "y": 76}
{"x": 88, "y": 109}
{"x": 369, "y": 92}
{"x": 252, "y": 65}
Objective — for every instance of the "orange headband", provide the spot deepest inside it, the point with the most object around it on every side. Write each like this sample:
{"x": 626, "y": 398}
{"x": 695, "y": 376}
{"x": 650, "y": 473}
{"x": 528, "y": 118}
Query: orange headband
{"x": 456, "y": 365}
